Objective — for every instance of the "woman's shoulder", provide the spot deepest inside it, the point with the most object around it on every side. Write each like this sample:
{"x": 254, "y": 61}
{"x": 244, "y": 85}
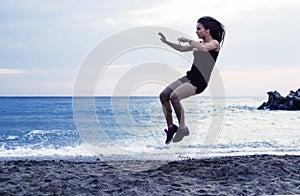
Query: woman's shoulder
{"x": 216, "y": 44}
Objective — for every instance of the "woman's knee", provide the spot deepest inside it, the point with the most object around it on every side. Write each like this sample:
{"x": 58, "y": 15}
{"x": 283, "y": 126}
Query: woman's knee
{"x": 174, "y": 98}
{"x": 164, "y": 96}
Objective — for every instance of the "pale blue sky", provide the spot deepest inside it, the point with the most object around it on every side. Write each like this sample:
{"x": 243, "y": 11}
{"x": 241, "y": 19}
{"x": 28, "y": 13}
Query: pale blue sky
{"x": 43, "y": 43}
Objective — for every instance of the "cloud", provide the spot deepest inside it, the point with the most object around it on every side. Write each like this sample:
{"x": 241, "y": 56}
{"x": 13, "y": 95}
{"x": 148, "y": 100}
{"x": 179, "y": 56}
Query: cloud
{"x": 58, "y": 35}
{"x": 177, "y": 12}
{"x": 10, "y": 71}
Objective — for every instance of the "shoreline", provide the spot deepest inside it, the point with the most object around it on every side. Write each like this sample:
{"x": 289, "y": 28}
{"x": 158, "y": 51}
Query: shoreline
{"x": 247, "y": 175}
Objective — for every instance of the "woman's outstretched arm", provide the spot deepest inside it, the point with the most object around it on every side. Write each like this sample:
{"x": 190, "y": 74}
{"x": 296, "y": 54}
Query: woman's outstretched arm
{"x": 175, "y": 46}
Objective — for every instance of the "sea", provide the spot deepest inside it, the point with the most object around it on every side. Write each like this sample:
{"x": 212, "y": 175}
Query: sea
{"x": 122, "y": 128}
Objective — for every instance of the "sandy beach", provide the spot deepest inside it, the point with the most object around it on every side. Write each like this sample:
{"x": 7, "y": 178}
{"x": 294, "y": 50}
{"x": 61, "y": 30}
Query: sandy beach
{"x": 238, "y": 175}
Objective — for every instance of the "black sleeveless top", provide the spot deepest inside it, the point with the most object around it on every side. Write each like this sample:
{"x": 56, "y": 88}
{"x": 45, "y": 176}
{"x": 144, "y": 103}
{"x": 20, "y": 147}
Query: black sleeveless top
{"x": 202, "y": 68}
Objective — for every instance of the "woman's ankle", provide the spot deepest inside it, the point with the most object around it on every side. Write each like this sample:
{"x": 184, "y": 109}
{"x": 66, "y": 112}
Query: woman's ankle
{"x": 183, "y": 127}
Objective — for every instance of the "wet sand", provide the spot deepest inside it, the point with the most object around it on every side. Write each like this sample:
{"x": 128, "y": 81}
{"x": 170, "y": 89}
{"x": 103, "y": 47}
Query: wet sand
{"x": 238, "y": 175}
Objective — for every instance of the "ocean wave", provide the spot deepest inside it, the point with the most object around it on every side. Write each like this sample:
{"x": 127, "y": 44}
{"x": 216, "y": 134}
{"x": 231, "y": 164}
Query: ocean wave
{"x": 40, "y": 138}
{"x": 235, "y": 108}
{"x": 44, "y": 152}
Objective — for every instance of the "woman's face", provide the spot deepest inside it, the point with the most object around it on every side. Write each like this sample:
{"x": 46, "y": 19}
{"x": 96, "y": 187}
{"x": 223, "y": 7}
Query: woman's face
{"x": 201, "y": 31}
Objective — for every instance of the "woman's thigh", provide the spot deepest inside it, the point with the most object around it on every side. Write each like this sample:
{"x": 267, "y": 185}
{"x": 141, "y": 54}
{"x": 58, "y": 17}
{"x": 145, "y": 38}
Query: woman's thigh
{"x": 171, "y": 87}
{"x": 184, "y": 90}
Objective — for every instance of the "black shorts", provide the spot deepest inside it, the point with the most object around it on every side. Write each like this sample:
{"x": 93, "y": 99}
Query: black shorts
{"x": 200, "y": 83}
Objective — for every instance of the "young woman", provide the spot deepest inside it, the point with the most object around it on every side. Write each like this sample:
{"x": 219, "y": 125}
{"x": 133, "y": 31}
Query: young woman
{"x": 212, "y": 34}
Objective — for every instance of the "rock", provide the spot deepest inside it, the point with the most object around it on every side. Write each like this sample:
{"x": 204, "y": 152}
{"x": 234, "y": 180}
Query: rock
{"x": 278, "y": 102}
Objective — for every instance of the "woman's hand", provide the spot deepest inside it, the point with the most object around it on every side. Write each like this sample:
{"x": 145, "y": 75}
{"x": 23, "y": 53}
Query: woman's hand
{"x": 176, "y": 46}
{"x": 162, "y": 37}
{"x": 183, "y": 39}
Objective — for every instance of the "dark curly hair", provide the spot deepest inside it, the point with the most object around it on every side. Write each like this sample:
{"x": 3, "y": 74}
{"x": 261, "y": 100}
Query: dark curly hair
{"x": 217, "y": 29}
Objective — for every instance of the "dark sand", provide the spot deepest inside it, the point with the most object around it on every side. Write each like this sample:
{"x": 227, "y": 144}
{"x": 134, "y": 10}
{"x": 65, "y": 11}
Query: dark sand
{"x": 240, "y": 175}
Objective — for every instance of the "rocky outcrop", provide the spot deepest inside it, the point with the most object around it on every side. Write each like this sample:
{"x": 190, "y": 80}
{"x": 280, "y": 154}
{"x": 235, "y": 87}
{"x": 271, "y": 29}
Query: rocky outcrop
{"x": 277, "y": 102}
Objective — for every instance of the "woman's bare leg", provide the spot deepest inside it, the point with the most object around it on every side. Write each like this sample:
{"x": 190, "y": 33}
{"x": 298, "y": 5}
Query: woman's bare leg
{"x": 183, "y": 91}
{"x": 165, "y": 101}
{"x": 166, "y": 106}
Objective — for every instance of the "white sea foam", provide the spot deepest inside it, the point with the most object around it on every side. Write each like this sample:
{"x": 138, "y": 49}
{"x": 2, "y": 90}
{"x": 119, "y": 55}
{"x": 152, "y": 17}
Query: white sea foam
{"x": 45, "y": 152}
{"x": 12, "y": 137}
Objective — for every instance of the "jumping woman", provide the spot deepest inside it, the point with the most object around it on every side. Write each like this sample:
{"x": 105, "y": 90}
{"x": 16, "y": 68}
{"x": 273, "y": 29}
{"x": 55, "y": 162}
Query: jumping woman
{"x": 212, "y": 33}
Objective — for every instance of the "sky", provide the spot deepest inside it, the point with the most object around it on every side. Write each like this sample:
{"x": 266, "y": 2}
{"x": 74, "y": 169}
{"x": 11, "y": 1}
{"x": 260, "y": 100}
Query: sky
{"x": 44, "y": 43}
